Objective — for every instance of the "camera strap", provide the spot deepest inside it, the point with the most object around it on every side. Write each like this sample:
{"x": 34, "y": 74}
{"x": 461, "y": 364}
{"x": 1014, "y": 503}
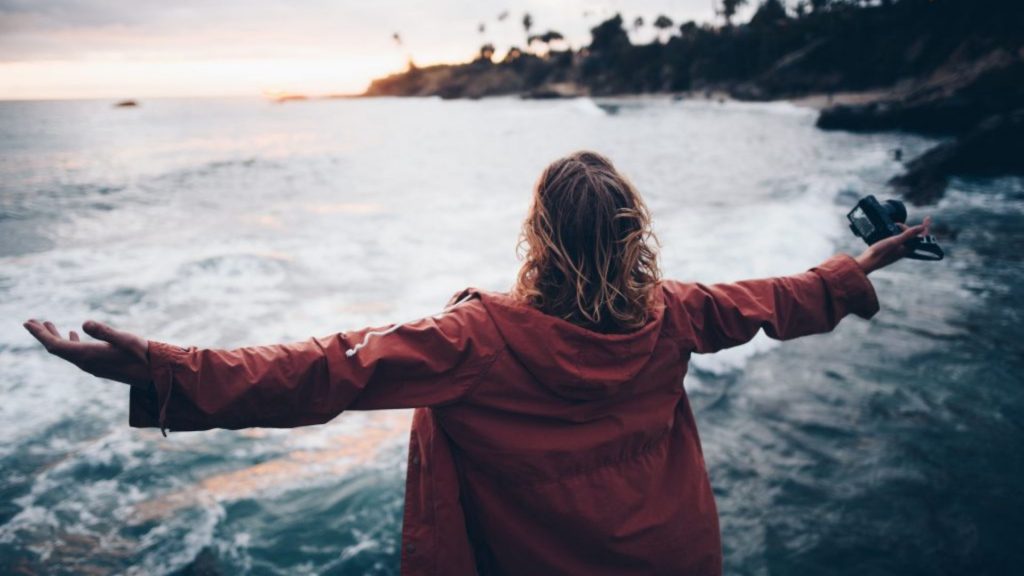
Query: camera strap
{"x": 924, "y": 248}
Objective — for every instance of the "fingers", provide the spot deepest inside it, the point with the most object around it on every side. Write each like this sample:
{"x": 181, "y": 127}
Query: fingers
{"x": 47, "y": 336}
{"x": 37, "y": 330}
{"x": 124, "y": 340}
{"x": 911, "y": 232}
{"x": 73, "y": 349}
{"x": 52, "y": 329}
{"x": 895, "y": 247}
{"x": 101, "y": 331}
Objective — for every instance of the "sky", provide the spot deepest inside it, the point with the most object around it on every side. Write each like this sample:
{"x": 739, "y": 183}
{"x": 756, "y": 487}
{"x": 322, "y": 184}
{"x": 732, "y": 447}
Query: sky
{"x": 145, "y": 48}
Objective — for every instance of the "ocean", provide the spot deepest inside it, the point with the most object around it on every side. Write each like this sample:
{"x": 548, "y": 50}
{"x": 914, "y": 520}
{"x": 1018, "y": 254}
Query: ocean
{"x": 894, "y": 446}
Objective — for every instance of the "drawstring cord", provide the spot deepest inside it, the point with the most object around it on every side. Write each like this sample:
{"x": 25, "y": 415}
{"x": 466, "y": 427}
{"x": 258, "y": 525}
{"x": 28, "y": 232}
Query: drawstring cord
{"x": 167, "y": 400}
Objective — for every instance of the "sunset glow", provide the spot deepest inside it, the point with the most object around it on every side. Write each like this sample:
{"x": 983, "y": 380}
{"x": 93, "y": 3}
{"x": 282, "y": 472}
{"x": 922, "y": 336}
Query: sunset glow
{"x": 54, "y": 49}
{"x": 142, "y": 78}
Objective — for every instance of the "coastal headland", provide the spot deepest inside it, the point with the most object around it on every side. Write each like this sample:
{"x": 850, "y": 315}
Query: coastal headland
{"x": 948, "y": 68}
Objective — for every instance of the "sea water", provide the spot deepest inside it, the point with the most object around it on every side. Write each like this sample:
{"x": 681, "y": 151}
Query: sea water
{"x": 887, "y": 447}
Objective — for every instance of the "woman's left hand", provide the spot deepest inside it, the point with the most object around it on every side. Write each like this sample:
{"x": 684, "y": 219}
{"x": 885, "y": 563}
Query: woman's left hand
{"x": 892, "y": 249}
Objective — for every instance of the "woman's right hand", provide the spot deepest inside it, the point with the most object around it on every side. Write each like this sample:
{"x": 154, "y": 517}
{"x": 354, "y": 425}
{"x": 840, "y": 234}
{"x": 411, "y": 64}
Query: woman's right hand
{"x": 892, "y": 249}
{"x": 118, "y": 355}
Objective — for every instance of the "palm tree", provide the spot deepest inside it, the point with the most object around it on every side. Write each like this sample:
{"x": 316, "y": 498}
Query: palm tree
{"x": 729, "y": 8}
{"x": 514, "y": 53}
{"x": 487, "y": 52}
{"x": 547, "y": 38}
{"x": 769, "y": 13}
{"x": 662, "y": 23}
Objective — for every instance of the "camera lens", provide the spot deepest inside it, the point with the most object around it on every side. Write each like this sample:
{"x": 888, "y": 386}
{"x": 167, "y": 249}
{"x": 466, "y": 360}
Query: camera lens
{"x": 897, "y": 211}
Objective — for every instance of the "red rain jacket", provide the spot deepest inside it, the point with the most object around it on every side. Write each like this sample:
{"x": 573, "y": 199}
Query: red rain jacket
{"x": 537, "y": 446}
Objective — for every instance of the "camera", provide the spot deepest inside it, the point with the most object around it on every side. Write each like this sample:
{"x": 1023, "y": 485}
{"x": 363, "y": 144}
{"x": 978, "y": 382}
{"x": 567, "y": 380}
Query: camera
{"x": 873, "y": 221}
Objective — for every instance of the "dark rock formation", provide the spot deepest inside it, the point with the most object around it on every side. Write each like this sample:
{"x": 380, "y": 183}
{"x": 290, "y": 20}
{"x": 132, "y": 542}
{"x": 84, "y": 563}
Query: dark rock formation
{"x": 204, "y": 564}
{"x": 980, "y": 101}
{"x": 952, "y": 101}
{"x": 520, "y": 73}
{"x": 555, "y": 90}
{"x": 994, "y": 147}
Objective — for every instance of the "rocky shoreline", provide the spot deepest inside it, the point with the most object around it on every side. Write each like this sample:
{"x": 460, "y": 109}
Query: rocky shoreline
{"x": 980, "y": 104}
{"x": 951, "y": 68}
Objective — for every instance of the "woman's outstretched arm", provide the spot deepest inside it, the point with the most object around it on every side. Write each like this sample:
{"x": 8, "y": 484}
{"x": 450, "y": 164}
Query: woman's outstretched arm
{"x": 724, "y": 315}
{"x": 432, "y": 361}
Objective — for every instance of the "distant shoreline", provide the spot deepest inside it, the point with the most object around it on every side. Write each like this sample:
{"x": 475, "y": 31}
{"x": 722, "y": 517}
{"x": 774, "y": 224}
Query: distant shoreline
{"x": 823, "y": 101}
{"x": 952, "y": 69}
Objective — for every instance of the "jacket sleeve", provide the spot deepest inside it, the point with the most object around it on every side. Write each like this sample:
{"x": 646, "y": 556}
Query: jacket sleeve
{"x": 724, "y": 315}
{"x": 427, "y": 362}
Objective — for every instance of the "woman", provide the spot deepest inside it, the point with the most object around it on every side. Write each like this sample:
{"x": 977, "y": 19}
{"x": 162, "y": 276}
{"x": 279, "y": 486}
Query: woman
{"x": 552, "y": 433}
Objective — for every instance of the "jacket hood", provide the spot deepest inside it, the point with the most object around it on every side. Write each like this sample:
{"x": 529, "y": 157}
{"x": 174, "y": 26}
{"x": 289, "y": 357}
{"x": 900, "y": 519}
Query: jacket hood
{"x": 569, "y": 360}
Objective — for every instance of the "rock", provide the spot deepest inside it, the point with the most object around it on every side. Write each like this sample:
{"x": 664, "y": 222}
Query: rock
{"x": 204, "y": 564}
{"x": 979, "y": 101}
{"x": 750, "y": 92}
{"x": 554, "y": 90}
{"x": 953, "y": 100}
{"x": 473, "y": 80}
{"x": 857, "y": 117}
{"x": 290, "y": 98}
{"x": 994, "y": 147}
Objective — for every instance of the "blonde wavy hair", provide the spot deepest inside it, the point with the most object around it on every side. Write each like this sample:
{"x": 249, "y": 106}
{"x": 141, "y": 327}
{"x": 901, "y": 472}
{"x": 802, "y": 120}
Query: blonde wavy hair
{"x": 589, "y": 255}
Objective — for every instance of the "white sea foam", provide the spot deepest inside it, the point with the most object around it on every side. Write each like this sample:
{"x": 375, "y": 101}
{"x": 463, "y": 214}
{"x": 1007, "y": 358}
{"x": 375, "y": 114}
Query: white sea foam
{"x": 588, "y": 106}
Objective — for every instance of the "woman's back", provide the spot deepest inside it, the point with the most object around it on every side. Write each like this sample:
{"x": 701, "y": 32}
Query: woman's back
{"x": 577, "y": 453}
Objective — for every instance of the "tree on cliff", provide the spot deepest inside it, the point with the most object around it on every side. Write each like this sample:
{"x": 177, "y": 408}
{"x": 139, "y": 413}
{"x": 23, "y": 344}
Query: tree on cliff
{"x": 769, "y": 12}
{"x": 688, "y": 30}
{"x": 547, "y": 38}
{"x": 487, "y": 52}
{"x": 729, "y": 8}
{"x": 513, "y": 54}
{"x": 663, "y": 23}
{"x": 608, "y": 36}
